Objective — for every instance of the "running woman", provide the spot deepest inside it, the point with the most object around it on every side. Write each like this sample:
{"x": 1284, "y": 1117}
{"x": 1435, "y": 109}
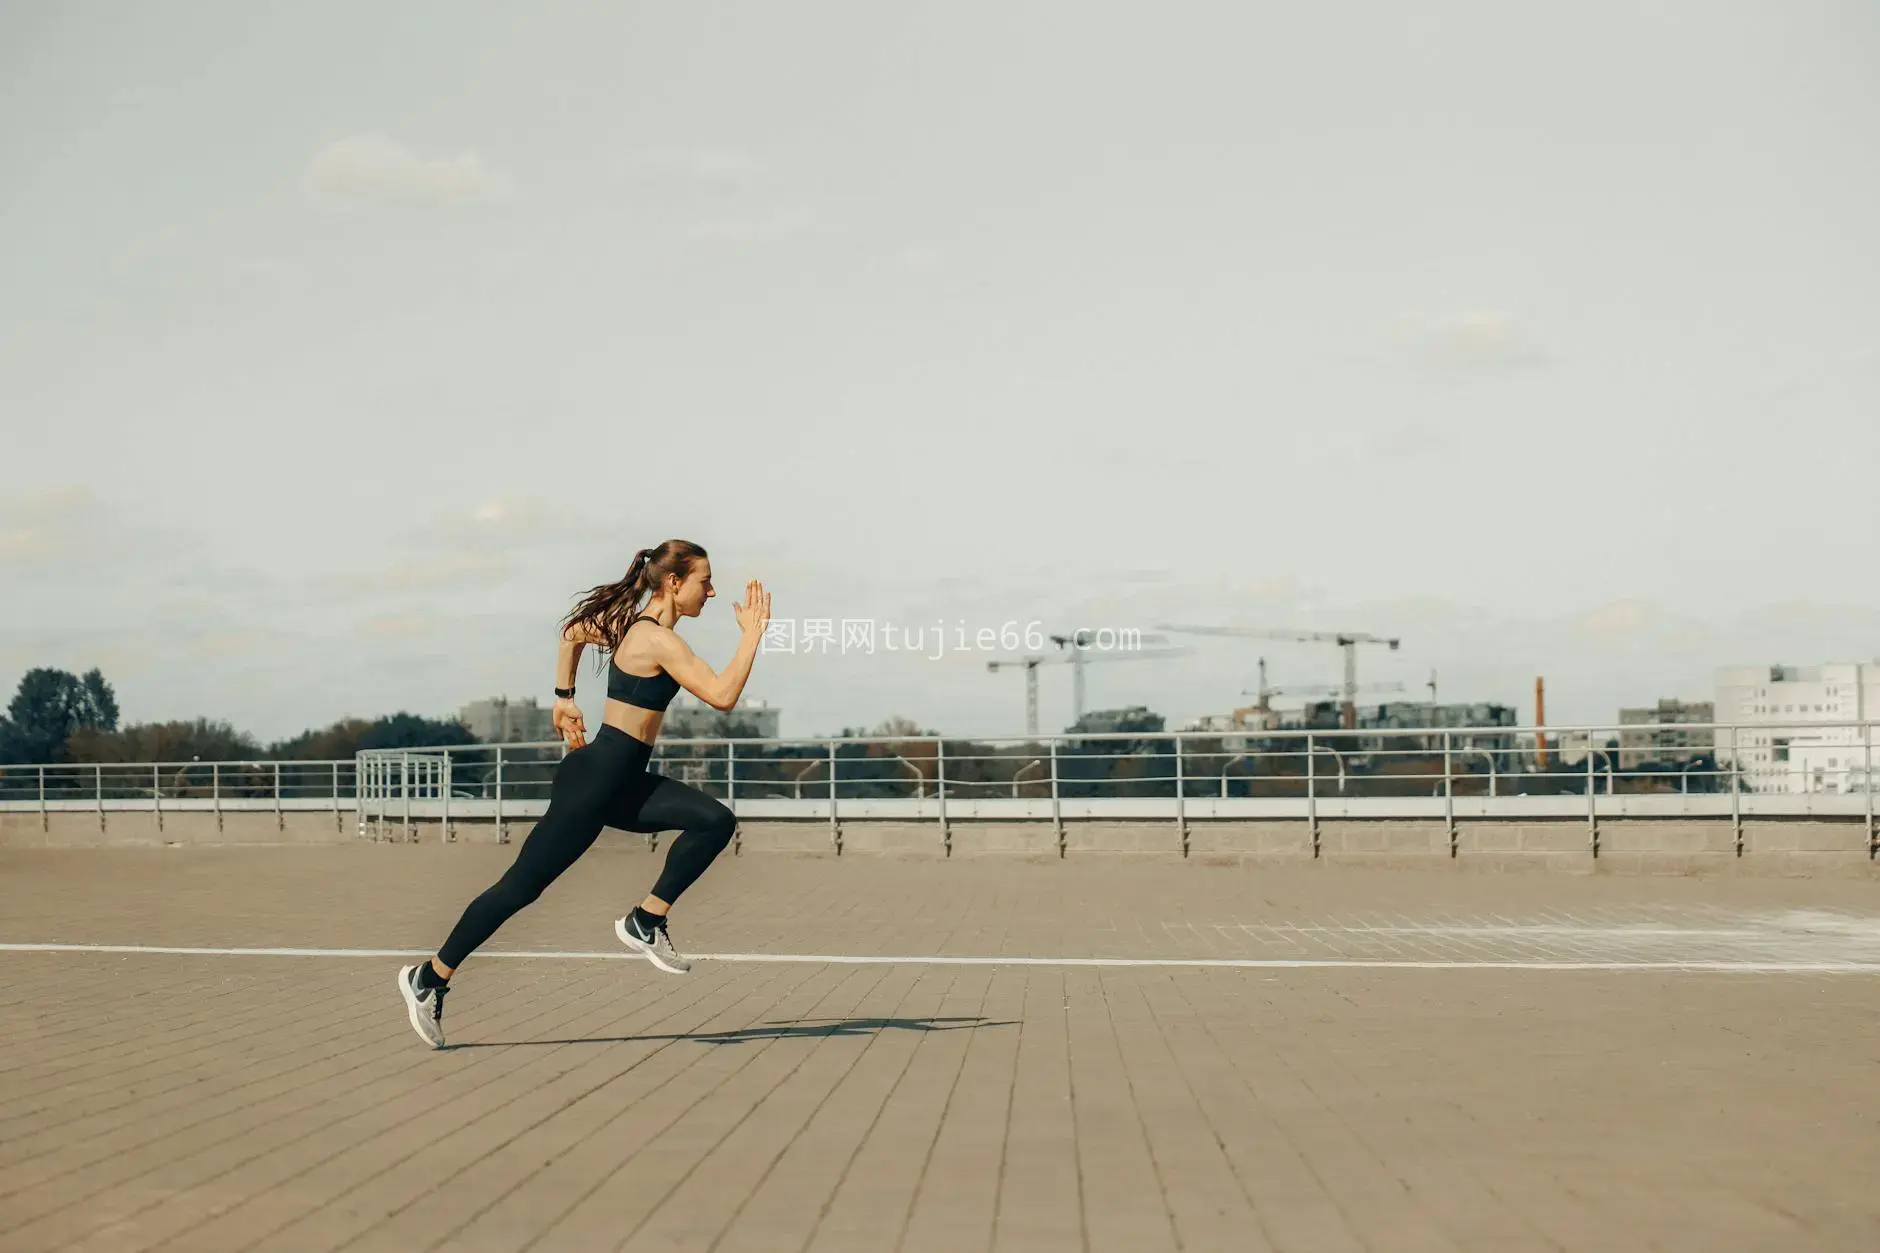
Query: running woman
{"x": 606, "y": 783}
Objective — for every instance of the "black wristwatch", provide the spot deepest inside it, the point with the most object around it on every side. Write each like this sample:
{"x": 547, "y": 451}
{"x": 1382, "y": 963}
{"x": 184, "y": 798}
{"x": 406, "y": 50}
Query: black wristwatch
{"x": 566, "y": 693}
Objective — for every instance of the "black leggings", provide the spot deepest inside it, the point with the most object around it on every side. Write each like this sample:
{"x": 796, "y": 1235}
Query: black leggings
{"x": 604, "y": 783}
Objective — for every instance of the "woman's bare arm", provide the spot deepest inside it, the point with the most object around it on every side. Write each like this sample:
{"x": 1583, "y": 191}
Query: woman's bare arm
{"x": 566, "y": 717}
{"x": 718, "y": 689}
{"x": 568, "y": 659}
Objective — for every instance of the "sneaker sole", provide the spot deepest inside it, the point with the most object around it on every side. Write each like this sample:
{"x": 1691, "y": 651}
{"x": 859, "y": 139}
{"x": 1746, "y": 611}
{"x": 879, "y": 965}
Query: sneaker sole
{"x": 414, "y": 1008}
{"x": 643, "y": 948}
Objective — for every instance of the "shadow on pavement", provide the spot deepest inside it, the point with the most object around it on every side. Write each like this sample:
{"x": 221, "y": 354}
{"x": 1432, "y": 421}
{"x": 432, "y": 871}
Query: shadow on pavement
{"x": 794, "y": 1028}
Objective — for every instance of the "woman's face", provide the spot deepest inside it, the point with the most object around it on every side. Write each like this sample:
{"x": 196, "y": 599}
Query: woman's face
{"x": 694, "y": 590}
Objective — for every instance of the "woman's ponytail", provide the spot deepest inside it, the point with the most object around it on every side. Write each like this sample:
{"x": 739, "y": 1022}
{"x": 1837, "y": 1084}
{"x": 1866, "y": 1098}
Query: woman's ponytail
{"x": 611, "y": 608}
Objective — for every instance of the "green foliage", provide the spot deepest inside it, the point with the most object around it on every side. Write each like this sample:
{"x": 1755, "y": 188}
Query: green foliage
{"x": 48, "y": 708}
{"x": 57, "y": 717}
{"x": 180, "y": 741}
{"x": 349, "y": 735}
{"x": 333, "y": 743}
{"x": 404, "y": 730}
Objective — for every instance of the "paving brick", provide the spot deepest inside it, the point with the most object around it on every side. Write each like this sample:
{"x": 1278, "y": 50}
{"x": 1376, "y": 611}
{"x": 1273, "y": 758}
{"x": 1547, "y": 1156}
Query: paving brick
{"x": 1447, "y": 1063}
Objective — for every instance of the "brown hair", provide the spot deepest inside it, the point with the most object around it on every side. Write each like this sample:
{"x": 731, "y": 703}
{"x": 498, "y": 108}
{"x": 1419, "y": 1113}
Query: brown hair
{"x": 612, "y": 607}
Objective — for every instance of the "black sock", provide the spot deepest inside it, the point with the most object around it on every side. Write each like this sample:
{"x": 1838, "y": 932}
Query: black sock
{"x": 648, "y": 922}
{"x": 428, "y": 976}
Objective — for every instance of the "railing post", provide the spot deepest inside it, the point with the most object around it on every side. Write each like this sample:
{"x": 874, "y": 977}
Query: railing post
{"x": 1449, "y": 795}
{"x": 215, "y": 791}
{"x": 280, "y": 821}
{"x": 731, "y": 796}
{"x": 336, "y": 823}
{"x": 45, "y": 820}
{"x": 1736, "y": 788}
{"x": 156, "y": 792}
{"x": 835, "y": 828}
{"x": 1181, "y": 797}
{"x": 940, "y": 793}
{"x": 1312, "y": 792}
{"x": 404, "y": 787}
{"x": 502, "y": 829}
{"x": 1592, "y": 816}
{"x": 98, "y": 780}
{"x": 443, "y": 787}
{"x": 1057, "y": 812}
{"x": 1866, "y": 738}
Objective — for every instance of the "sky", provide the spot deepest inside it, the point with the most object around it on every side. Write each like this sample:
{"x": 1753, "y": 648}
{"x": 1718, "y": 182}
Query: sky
{"x": 341, "y": 346}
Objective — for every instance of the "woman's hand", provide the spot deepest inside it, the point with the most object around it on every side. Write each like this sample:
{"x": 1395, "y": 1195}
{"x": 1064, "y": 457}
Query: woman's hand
{"x": 567, "y": 720}
{"x": 754, "y": 614}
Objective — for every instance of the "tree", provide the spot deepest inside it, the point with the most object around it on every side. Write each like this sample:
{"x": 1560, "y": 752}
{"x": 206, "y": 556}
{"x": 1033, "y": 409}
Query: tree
{"x": 334, "y": 743}
{"x": 349, "y": 735}
{"x": 49, "y": 706}
{"x": 164, "y": 741}
{"x": 404, "y": 730}
{"x": 99, "y": 707}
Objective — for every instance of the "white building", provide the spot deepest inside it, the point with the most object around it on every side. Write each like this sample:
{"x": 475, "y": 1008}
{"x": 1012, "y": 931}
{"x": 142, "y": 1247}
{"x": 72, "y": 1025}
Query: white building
{"x": 500, "y": 720}
{"x": 1783, "y": 718}
{"x": 1644, "y": 739}
{"x": 689, "y": 718}
{"x": 1248, "y": 718}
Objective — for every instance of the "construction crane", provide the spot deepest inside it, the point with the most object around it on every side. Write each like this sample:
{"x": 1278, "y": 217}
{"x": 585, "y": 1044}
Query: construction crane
{"x": 1266, "y": 692}
{"x": 1077, "y": 658}
{"x": 1347, "y": 640}
{"x": 1079, "y": 643}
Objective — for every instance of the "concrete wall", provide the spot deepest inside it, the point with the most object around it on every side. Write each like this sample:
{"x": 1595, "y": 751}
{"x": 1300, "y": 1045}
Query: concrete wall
{"x": 1686, "y": 845}
{"x": 78, "y": 828}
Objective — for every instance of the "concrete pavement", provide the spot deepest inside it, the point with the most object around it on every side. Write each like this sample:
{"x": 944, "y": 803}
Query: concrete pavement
{"x": 1408, "y": 1061}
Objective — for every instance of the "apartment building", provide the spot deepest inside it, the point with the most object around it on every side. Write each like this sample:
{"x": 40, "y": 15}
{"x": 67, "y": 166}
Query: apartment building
{"x": 1778, "y": 725}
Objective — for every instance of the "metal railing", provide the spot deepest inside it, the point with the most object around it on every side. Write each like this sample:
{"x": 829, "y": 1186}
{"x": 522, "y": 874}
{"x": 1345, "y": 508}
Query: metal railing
{"x": 1724, "y": 770}
{"x": 1822, "y": 768}
{"x": 278, "y": 787}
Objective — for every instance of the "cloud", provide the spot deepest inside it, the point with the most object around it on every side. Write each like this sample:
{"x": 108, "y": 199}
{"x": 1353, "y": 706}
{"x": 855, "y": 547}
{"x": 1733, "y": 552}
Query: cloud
{"x": 1623, "y": 619}
{"x": 515, "y": 515}
{"x": 404, "y": 625}
{"x": 236, "y": 643}
{"x": 508, "y": 520}
{"x": 1486, "y": 339}
{"x": 47, "y": 502}
{"x": 921, "y": 258}
{"x": 492, "y": 542}
{"x": 20, "y": 543}
{"x": 715, "y": 167}
{"x": 755, "y": 228}
{"x": 422, "y": 574}
{"x": 46, "y": 523}
{"x": 717, "y": 181}
{"x": 375, "y": 168}
{"x": 270, "y": 273}
{"x": 1421, "y": 439}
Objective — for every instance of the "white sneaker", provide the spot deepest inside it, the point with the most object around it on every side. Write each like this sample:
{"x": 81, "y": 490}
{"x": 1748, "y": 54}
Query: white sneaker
{"x": 424, "y": 1005}
{"x": 656, "y": 947}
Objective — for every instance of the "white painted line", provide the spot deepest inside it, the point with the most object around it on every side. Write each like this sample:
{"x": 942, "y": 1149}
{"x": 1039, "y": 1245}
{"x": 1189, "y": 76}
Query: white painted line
{"x": 1224, "y": 963}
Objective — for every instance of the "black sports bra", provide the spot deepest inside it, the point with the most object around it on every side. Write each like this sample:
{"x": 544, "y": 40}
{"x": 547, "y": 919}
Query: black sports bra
{"x": 644, "y": 691}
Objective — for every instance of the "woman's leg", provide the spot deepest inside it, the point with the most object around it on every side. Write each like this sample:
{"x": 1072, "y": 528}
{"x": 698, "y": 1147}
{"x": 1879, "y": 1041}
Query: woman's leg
{"x": 705, "y": 827}
{"x": 583, "y": 789}
{"x": 588, "y": 782}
